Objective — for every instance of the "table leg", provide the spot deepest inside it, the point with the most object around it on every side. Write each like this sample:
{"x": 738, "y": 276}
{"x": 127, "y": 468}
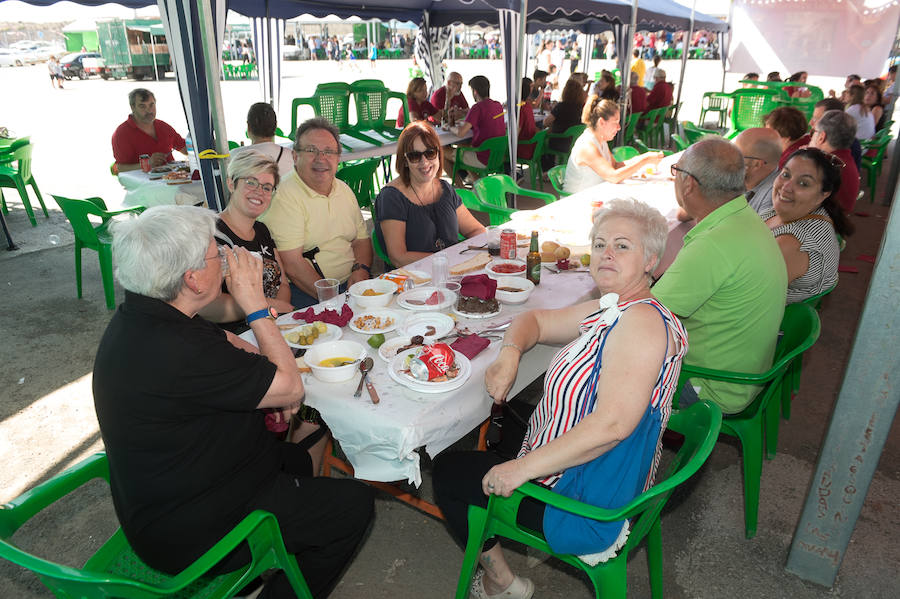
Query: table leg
{"x": 9, "y": 241}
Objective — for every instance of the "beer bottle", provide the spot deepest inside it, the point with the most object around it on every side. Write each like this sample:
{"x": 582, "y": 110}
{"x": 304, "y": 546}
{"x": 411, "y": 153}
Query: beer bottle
{"x": 533, "y": 260}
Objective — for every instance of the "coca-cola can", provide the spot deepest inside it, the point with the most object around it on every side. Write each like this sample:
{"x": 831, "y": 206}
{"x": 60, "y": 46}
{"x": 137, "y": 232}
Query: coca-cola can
{"x": 432, "y": 362}
{"x": 145, "y": 162}
{"x": 508, "y": 244}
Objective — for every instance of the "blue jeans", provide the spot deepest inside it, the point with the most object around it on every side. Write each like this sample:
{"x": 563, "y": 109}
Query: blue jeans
{"x": 301, "y": 299}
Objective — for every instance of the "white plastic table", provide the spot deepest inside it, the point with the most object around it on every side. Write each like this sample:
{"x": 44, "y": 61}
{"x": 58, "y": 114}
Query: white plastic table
{"x": 140, "y": 190}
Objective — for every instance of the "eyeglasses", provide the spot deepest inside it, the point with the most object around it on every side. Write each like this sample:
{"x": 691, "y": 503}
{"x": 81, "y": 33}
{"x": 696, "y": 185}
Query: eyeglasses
{"x": 253, "y": 184}
{"x": 676, "y": 169}
{"x": 755, "y": 158}
{"x": 415, "y": 155}
{"x": 314, "y": 151}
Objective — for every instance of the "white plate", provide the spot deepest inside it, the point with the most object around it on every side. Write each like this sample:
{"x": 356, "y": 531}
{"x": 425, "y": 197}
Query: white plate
{"x": 389, "y": 348}
{"x": 410, "y": 382}
{"x": 333, "y": 333}
{"x": 498, "y": 262}
{"x": 382, "y": 314}
{"x": 478, "y": 315}
{"x": 418, "y": 325}
{"x": 422, "y": 294}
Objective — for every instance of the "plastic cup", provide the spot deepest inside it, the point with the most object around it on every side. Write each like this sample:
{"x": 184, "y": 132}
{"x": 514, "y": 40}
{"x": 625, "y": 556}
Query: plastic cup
{"x": 493, "y": 240}
{"x": 440, "y": 270}
{"x": 327, "y": 292}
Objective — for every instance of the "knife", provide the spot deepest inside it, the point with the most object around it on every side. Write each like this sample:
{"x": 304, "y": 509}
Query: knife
{"x": 372, "y": 393}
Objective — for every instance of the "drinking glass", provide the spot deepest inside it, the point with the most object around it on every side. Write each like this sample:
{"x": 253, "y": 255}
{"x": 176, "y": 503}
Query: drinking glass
{"x": 440, "y": 270}
{"x": 493, "y": 240}
{"x": 327, "y": 292}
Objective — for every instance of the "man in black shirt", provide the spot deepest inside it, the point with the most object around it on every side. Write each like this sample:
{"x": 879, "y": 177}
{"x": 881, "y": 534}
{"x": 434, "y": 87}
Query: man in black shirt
{"x": 178, "y": 401}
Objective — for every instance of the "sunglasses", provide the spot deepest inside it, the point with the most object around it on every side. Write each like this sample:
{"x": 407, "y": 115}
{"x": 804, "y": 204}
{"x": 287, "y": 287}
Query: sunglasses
{"x": 415, "y": 155}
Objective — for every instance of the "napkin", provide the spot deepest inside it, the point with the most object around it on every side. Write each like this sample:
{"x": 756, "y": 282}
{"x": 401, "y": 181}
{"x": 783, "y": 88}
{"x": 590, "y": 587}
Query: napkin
{"x": 326, "y": 316}
{"x": 866, "y": 258}
{"x": 480, "y": 286}
{"x": 470, "y": 345}
{"x": 274, "y": 425}
{"x": 850, "y": 269}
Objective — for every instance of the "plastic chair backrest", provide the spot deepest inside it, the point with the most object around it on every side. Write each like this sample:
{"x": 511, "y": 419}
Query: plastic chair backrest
{"x": 370, "y": 97}
{"x": 20, "y": 152}
{"x": 630, "y": 126}
{"x": 330, "y": 101}
{"x": 499, "y": 152}
{"x": 360, "y": 177}
{"x": 497, "y": 214}
{"x": 572, "y": 133}
{"x": 539, "y": 141}
{"x": 749, "y": 106}
{"x": 493, "y": 189}
{"x": 623, "y": 153}
{"x": 77, "y": 212}
{"x": 695, "y": 133}
{"x": 557, "y": 176}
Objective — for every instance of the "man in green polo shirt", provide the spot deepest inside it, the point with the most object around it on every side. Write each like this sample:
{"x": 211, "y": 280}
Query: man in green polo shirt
{"x": 728, "y": 283}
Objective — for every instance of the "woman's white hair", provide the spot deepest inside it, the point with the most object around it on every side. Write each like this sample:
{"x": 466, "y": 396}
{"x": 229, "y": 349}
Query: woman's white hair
{"x": 653, "y": 225}
{"x": 153, "y": 251}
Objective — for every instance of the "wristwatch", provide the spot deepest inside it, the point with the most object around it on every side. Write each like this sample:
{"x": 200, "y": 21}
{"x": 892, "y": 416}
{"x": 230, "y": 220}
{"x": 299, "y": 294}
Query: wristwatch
{"x": 268, "y": 312}
{"x": 358, "y": 265}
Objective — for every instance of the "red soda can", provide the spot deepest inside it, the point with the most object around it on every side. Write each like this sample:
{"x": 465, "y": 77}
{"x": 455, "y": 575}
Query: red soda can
{"x": 432, "y": 362}
{"x": 145, "y": 162}
{"x": 508, "y": 244}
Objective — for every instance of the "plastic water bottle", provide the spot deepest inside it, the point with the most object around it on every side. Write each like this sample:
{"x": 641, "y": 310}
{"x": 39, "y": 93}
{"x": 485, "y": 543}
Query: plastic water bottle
{"x": 192, "y": 157}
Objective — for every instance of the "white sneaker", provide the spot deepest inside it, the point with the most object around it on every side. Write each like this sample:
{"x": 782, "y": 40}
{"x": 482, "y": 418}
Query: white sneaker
{"x": 519, "y": 588}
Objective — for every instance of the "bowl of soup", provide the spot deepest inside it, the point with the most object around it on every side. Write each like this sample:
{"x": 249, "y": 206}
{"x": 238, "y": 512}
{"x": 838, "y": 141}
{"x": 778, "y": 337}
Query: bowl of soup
{"x": 373, "y": 293}
{"x": 513, "y": 290}
{"x": 335, "y": 361}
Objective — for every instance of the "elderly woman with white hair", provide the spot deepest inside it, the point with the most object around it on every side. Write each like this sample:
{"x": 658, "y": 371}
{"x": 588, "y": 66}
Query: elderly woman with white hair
{"x": 252, "y": 179}
{"x": 611, "y": 416}
{"x": 178, "y": 401}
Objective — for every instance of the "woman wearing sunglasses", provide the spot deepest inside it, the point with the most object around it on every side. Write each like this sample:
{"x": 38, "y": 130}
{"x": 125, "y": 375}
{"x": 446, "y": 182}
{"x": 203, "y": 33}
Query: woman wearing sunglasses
{"x": 252, "y": 178}
{"x": 417, "y": 213}
{"x": 804, "y": 218}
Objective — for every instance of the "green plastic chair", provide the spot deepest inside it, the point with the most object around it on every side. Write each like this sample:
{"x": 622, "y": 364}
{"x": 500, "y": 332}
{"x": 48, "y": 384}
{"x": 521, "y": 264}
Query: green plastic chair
{"x": 717, "y": 102}
{"x": 115, "y": 570}
{"x": 631, "y": 126}
{"x": 700, "y": 425}
{"x": 493, "y": 190}
{"x": 360, "y": 176}
{"x": 758, "y": 423}
{"x": 623, "y": 153}
{"x": 497, "y": 214}
{"x": 371, "y": 97}
{"x": 534, "y": 163}
{"x": 871, "y": 164}
{"x": 499, "y": 156}
{"x": 331, "y": 101}
{"x": 680, "y": 143}
{"x": 93, "y": 237}
{"x": 693, "y": 133}
{"x": 570, "y": 134}
{"x": 557, "y": 176}
{"x": 641, "y": 147}
{"x": 653, "y": 128}
{"x": 15, "y": 172}
{"x": 749, "y": 106}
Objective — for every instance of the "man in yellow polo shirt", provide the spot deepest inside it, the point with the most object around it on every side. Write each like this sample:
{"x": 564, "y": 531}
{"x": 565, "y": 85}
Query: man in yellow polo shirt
{"x": 729, "y": 282}
{"x": 314, "y": 218}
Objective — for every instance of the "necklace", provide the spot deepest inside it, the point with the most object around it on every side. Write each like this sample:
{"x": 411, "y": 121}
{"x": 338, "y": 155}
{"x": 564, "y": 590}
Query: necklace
{"x": 421, "y": 203}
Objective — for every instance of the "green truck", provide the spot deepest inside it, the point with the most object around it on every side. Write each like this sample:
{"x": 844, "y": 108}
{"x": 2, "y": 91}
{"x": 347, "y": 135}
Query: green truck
{"x": 134, "y": 48}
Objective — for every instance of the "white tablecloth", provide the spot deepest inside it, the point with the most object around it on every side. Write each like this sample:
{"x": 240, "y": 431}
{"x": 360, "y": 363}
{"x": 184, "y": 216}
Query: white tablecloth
{"x": 141, "y": 191}
{"x": 380, "y": 440}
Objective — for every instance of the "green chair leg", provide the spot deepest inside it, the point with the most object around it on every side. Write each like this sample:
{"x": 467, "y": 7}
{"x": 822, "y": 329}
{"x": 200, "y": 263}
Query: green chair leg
{"x": 106, "y": 273}
{"x": 773, "y": 421}
{"x": 750, "y": 434}
{"x": 40, "y": 198}
{"x": 477, "y": 522}
{"x": 654, "y": 560}
{"x": 23, "y": 193}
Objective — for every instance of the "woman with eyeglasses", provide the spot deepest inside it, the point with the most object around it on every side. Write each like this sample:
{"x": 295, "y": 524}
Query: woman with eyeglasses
{"x": 805, "y": 218}
{"x": 252, "y": 178}
{"x": 417, "y": 213}
{"x": 591, "y": 161}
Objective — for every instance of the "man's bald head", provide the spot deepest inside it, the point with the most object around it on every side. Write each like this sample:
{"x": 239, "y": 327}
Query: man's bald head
{"x": 761, "y": 148}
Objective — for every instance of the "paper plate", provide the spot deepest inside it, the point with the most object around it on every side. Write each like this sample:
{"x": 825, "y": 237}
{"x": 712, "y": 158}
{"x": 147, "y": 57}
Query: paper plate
{"x": 384, "y": 315}
{"x": 410, "y": 382}
{"x": 436, "y": 323}
{"x": 333, "y": 333}
{"x": 409, "y": 299}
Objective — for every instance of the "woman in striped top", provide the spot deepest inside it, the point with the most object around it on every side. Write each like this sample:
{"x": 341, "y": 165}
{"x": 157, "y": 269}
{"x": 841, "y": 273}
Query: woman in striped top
{"x": 805, "y": 218}
{"x": 640, "y": 345}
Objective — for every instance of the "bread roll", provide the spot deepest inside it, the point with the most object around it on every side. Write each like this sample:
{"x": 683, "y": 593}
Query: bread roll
{"x": 548, "y": 256}
{"x": 562, "y": 253}
{"x": 549, "y": 246}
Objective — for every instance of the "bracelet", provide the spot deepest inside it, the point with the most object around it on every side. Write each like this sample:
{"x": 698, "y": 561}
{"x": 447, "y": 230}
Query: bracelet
{"x": 360, "y": 265}
{"x": 512, "y": 345}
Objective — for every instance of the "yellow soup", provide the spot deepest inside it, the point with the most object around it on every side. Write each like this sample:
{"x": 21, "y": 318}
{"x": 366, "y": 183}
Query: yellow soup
{"x": 334, "y": 362}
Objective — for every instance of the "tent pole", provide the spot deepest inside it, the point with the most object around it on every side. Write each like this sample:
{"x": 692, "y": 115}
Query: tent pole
{"x": 684, "y": 56}
{"x": 727, "y": 47}
{"x": 625, "y": 68}
{"x": 213, "y": 85}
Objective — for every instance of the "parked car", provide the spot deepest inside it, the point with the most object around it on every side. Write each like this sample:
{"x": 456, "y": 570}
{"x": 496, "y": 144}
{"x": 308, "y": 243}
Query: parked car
{"x": 289, "y": 52}
{"x": 14, "y": 58}
{"x": 73, "y": 64}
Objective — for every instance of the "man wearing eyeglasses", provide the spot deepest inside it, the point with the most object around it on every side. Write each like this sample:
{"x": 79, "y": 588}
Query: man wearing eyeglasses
{"x": 834, "y": 133}
{"x": 761, "y": 148}
{"x": 729, "y": 282}
{"x": 314, "y": 218}
{"x": 449, "y": 97}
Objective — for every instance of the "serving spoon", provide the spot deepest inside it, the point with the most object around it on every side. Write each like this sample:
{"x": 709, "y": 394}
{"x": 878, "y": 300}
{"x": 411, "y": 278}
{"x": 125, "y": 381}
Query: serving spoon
{"x": 364, "y": 367}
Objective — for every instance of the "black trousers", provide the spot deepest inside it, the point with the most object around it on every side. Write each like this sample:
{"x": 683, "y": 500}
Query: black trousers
{"x": 322, "y": 521}
{"x": 457, "y": 485}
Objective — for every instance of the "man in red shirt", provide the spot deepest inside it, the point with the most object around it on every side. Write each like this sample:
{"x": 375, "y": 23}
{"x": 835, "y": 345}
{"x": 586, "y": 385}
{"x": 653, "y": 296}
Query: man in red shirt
{"x": 638, "y": 94}
{"x": 452, "y": 89}
{"x": 834, "y": 133}
{"x": 661, "y": 94}
{"x": 143, "y": 133}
